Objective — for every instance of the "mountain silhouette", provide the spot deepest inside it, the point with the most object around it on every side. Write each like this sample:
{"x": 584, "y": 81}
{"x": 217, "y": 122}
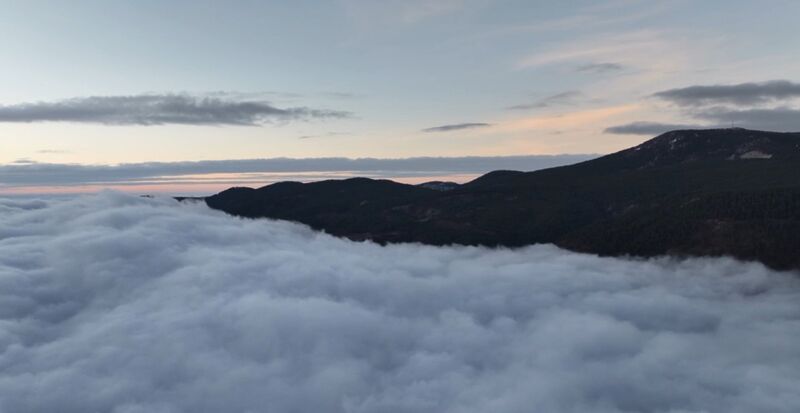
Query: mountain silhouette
{"x": 713, "y": 192}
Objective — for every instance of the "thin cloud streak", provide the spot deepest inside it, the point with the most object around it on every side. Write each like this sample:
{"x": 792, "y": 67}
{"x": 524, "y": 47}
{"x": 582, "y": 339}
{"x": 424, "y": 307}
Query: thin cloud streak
{"x": 367, "y": 13}
{"x": 600, "y": 67}
{"x": 567, "y": 120}
{"x": 632, "y": 48}
{"x": 324, "y": 135}
{"x": 155, "y": 109}
{"x": 457, "y": 126}
{"x": 52, "y": 151}
{"x": 563, "y": 98}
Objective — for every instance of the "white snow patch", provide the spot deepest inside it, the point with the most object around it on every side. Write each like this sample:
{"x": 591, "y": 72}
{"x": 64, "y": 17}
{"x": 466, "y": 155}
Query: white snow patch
{"x": 755, "y": 155}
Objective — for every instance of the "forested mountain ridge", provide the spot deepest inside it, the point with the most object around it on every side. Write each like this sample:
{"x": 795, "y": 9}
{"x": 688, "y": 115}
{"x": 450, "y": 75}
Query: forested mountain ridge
{"x": 690, "y": 192}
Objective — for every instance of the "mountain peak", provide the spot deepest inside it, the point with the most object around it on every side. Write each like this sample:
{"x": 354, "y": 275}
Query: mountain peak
{"x": 691, "y": 145}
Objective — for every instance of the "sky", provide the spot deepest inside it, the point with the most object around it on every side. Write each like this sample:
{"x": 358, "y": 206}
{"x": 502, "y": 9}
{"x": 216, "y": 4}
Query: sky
{"x": 103, "y": 83}
{"x": 114, "y": 302}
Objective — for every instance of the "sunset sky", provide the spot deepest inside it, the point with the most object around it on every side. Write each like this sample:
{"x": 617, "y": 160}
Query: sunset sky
{"x": 92, "y": 84}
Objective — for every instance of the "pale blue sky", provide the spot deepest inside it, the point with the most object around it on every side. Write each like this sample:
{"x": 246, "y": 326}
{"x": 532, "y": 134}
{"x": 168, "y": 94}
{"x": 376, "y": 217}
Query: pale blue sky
{"x": 387, "y": 69}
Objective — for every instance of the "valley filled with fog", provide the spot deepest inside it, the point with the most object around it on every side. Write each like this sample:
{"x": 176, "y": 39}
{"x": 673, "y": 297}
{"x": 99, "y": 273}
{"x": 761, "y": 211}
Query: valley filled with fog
{"x": 124, "y": 304}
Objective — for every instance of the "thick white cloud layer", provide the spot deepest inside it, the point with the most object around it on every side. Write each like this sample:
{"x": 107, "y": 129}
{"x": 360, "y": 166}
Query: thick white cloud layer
{"x": 112, "y": 303}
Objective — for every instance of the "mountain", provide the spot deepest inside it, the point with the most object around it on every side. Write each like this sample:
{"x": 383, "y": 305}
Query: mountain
{"x": 687, "y": 193}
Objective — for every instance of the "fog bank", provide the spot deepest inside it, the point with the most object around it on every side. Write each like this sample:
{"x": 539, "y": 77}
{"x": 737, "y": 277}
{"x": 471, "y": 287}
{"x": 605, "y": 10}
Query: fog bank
{"x": 113, "y": 303}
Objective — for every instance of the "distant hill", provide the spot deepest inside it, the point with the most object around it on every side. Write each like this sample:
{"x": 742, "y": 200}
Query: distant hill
{"x": 440, "y": 185}
{"x": 688, "y": 193}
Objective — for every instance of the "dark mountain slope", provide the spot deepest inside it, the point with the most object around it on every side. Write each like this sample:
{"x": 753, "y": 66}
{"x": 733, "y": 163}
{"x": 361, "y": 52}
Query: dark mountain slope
{"x": 356, "y": 207}
{"x": 697, "y": 192}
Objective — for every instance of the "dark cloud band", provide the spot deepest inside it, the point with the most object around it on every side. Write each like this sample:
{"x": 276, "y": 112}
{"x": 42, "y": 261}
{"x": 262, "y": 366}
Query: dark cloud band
{"x": 740, "y": 94}
{"x": 782, "y": 119}
{"x": 47, "y": 174}
{"x": 648, "y": 128}
{"x": 158, "y": 109}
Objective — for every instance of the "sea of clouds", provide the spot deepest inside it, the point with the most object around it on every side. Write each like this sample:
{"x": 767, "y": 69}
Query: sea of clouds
{"x": 114, "y": 303}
